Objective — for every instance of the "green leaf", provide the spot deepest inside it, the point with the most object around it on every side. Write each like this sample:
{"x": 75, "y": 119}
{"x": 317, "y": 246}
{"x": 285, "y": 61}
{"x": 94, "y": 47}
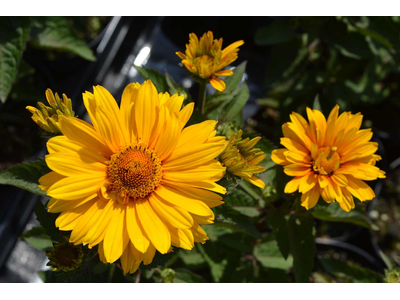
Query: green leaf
{"x": 374, "y": 35}
{"x": 334, "y": 213}
{"x": 217, "y": 267}
{"x": 55, "y": 33}
{"x": 26, "y": 176}
{"x": 228, "y": 217}
{"x": 278, "y": 32}
{"x": 192, "y": 259}
{"x": 236, "y": 105}
{"x": 232, "y": 82}
{"x": 14, "y": 32}
{"x": 302, "y": 245}
{"x": 349, "y": 272}
{"x": 186, "y": 276}
{"x": 269, "y": 255}
{"x": 243, "y": 202}
{"x": 47, "y": 220}
{"x": 217, "y": 99}
{"x": 174, "y": 88}
{"x": 38, "y": 238}
{"x": 156, "y": 77}
{"x": 280, "y": 228}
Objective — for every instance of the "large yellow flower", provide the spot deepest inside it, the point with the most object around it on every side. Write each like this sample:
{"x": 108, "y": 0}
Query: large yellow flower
{"x": 328, "y": 158}
{"x": 136, "y": 181}
{"x": 206, "y": 59}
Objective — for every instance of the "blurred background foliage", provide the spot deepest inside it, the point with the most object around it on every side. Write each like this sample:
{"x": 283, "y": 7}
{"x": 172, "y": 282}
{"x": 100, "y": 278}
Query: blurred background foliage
{"x": 258, "y": 235}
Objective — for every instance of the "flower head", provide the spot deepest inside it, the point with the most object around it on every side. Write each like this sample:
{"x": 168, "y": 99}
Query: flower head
{"x": 136, "y": 181}
{"x": 64, "y": 256}
{"x": 206, "y": 59}
{"x": 241, "y": 159}
{"x": 47, "y": 116}
{"x": 328, "y": 158}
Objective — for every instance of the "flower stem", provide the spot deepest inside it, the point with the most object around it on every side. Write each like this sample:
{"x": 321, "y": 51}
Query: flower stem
{"x": 202, "y": 97}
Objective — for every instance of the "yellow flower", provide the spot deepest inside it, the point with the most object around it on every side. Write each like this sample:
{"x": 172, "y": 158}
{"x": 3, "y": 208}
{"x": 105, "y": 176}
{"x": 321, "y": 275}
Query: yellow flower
{"x": 206, "y": 59}
{"x": 136, "y": 181}
{"x": 241, "y": 160}
{"x": 328, "y": 158}
{"x": 47, "y": 117}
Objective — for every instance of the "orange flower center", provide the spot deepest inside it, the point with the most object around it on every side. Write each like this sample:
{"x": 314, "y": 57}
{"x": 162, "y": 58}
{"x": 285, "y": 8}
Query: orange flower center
{"x": 134, "y": 172}
{"x": 327, "y": 160}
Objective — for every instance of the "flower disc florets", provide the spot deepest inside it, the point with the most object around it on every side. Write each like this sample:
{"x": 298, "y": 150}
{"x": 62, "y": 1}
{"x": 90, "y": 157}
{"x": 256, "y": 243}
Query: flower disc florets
{"x": 135, "y": 172}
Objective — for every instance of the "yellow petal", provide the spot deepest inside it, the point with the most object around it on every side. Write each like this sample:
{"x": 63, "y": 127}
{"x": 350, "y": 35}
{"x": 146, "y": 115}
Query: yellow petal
{"x": 224, "y": 73}
{"x": 76, "y": 187}
{"x": 256, "y": 181}
{"x": 217, "y": 83}
{"x": 278, "y": 157}
{"x": 155, "y": 229}
{"x": 310, "y": 199}
{"x": 168, "y": 138}
{"x": 68, "y": 220}
{"x": 68, "y": 164}
{"x": 177, "y": 198}
{"x": 83, "y": 232}
{"x": 189, "y": 157}
{"x": 297, "y": 169}
{"x": 116, "y": 238}
{"x": 46, "y": 181}
{"x": 172, "y": 215}
{"x": 83, "y": 133}
{"x": 145, "y": 111}
{"x": 135, "y": 229}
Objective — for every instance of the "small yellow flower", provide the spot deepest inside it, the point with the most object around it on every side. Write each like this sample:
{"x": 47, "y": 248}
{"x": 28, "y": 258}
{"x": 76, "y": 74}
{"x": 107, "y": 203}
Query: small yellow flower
{"x": 328, "y": 158}
{"x": 135, "y": 181}
{"x": 240, "y": 159}
{"x": 47, "y": 117}
{"x": 206, "y": 59}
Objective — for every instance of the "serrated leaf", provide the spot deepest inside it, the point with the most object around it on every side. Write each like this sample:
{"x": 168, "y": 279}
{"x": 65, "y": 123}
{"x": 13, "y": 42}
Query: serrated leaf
{"x": 228, "y": 217}
{"x": 302, "y": 245}
{"x": 38, "y": 238}
{"x": 269, "y": 255}
{"x": 243, "y": 202}
{"x": 349, "y": 272}
{"x": 47, "y": 220}
{"x": 26, "y": 176}
{"x": 334, "y": 213}
{"x": 278, "y": 32}
{"x": 156, "y": 77}
{"x": 236, "y": 105}
{"x": 279, "y": 226}
{"x": 55, "y": 33}
{"x": 14, "y": 32}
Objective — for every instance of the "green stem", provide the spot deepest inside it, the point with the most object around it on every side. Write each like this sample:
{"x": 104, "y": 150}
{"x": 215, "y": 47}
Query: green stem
{"x": 202, "y": 97}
